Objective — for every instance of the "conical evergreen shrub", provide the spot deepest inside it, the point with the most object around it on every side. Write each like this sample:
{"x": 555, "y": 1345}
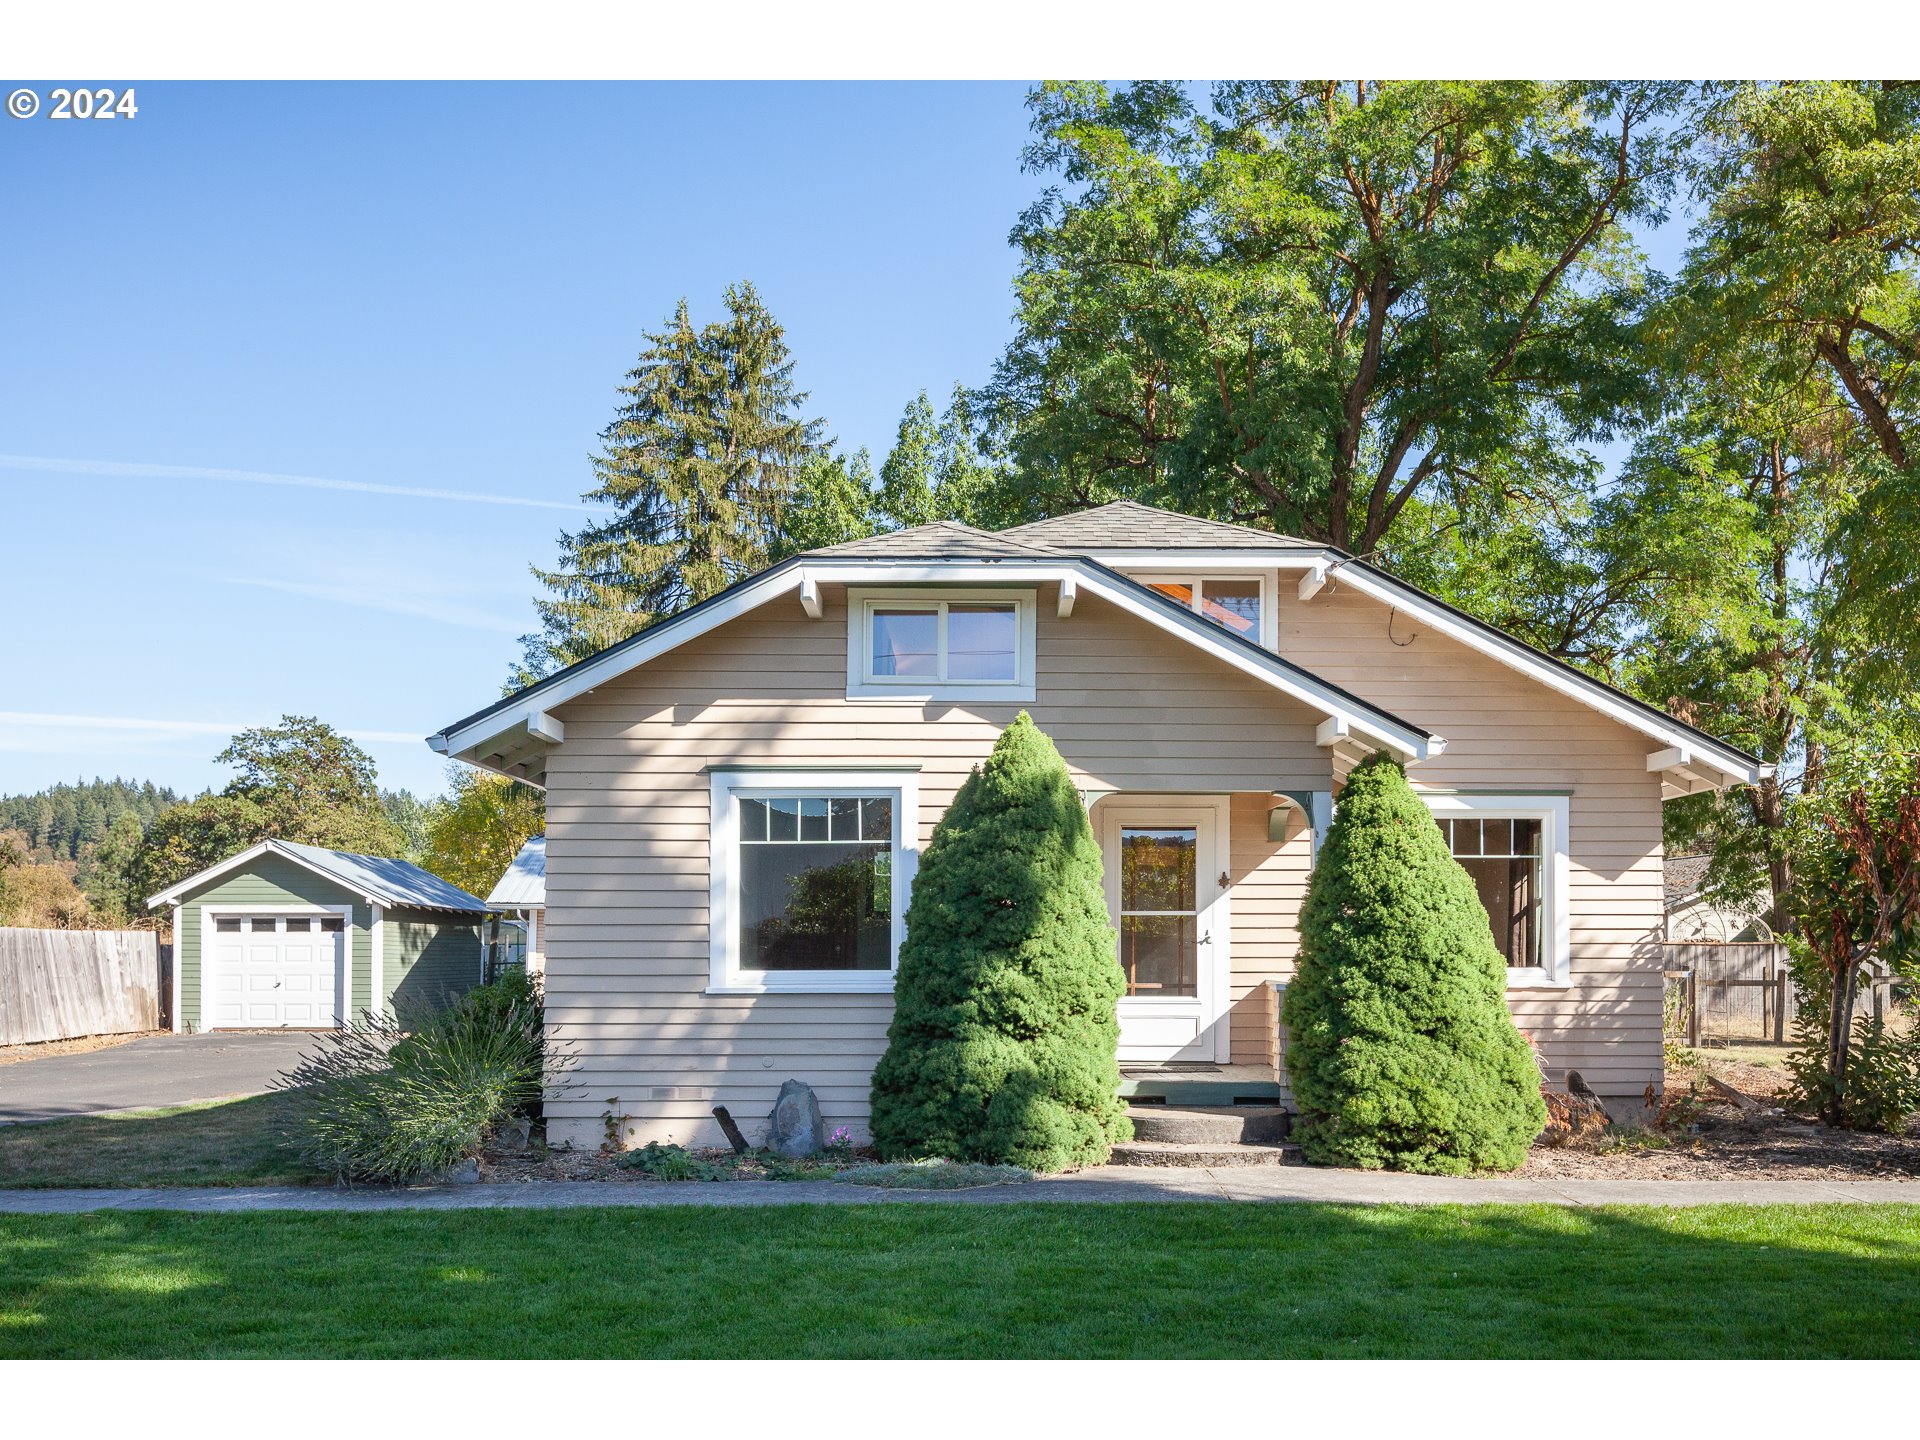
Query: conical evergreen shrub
{"x": 1403, "y": 1055}
{"x": 1002, "y": 1047}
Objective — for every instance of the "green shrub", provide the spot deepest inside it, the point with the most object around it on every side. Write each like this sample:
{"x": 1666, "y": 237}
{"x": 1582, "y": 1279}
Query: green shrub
{"x": 1403, "y": 1055}
{"x": 670, "y": 1162}
{"x": 1002, "y": 1047}
{"x": 1880, "y": 1087}
{"x": 387, "y": 1105}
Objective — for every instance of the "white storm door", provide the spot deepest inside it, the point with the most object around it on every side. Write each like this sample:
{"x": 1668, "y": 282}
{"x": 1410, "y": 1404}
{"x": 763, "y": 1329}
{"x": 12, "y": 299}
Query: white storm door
{"x": 1165, "y": 862}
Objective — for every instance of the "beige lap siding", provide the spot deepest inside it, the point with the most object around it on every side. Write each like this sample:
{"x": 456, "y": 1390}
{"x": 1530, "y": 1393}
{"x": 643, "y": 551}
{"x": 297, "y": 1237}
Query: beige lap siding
{"x": 627, "y": 822}
{"x": 1506, "y": 732}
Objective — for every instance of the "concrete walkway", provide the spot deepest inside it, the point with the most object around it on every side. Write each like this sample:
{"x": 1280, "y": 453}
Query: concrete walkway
{"x": 1289, "y": 1183}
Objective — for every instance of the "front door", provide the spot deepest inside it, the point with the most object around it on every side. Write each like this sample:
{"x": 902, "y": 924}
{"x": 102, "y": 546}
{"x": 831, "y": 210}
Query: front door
{"x": 1166, "y": 866}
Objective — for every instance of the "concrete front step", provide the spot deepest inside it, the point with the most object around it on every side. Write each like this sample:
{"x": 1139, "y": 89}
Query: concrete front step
{"x": 1210, "y": 1124}
{"x": 1210, "y": 1157}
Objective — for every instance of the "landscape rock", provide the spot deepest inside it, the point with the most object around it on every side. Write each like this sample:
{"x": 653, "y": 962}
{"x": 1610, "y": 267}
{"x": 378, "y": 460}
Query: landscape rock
{"x": 795, "y": 1129}
{"x": 461, "y": 1172}
{"x": 511, "y": 1136}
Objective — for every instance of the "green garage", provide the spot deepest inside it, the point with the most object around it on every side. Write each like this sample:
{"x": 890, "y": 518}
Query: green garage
{"x": 294, "y": 937}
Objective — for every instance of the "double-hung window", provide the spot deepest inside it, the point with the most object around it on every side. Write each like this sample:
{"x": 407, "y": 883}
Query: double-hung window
{"x": 927, "y": 644}
{"x": 810, "y": 876}
{"x": 1514, "y": 847}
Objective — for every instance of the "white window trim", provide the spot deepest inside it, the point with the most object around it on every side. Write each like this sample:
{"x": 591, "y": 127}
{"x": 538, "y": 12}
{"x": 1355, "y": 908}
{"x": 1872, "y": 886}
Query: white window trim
{"x": 222, "y": 910}
{"x": 725, "y": 976}
{"x": 1554, "y": 812}
{"x": 1269, "y": 637}
{"x": 862, "y": 684}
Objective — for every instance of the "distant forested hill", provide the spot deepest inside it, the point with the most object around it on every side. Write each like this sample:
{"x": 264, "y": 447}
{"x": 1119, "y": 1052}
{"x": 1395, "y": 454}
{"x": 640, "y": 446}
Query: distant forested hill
{"x": 60, "y": 822}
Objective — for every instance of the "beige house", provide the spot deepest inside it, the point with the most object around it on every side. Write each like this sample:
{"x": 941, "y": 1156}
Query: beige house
{"x": 737, "y": 797}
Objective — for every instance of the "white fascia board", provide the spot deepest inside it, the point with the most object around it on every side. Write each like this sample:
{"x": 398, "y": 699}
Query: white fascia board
{"x": 1377, "y": 728}
{"x": 610, "y": 663}
{"x": 1529, "y": 662}
{"x": 234, "y": 862}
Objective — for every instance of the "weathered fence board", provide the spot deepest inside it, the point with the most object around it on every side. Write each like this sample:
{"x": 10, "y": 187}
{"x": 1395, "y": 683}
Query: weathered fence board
{"x": 60, "y": 984}
{"x": 1744, "y": 990}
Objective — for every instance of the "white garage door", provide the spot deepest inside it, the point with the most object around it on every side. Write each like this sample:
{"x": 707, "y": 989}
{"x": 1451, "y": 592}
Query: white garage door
{"x": 276, "y": 971}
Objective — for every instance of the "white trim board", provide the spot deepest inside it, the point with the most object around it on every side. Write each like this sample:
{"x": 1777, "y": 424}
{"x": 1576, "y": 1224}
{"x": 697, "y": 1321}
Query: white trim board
{"x": 1377, "y": 727}
{"x": 862, "y": 684}
{"x": 1555, "y": 814}
{"x": 211, "y": 911}
{"x": 234, "y": 862}
{"x": 1516, "y": 655}
{"x": 723, "y": 945}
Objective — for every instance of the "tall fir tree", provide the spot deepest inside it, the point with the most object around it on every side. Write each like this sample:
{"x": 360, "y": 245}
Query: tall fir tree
{"x": 699, "y": 468}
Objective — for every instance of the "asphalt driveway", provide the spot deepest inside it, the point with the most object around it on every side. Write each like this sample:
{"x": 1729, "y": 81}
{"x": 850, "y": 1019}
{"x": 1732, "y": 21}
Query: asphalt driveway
{"x": 147, "y": 1074}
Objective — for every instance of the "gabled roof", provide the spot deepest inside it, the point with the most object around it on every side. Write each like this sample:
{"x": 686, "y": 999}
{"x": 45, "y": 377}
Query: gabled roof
{"x": 1129, "y": 525}
{"x": 492, "y": 736}
{"x": 375, "y": 878}
{"x": 1082, "y": 548}
{"x": 524, "y": 885}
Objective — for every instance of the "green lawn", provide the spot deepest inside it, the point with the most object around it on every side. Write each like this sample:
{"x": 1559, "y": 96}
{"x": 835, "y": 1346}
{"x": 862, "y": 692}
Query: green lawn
{"x": 947, "y": 1280}
{"x": 224, "y": 1142}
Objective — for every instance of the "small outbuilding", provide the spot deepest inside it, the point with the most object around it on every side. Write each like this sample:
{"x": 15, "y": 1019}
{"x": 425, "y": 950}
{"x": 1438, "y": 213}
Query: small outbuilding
{"x": 294, "y": 937}
{"x": 520, "y": 898}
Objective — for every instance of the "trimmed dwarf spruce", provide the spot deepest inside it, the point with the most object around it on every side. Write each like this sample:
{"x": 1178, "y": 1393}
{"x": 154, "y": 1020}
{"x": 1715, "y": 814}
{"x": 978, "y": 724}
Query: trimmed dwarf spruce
{"x": 1002, "y": 1047}
{"x": 1403, "y": 1055}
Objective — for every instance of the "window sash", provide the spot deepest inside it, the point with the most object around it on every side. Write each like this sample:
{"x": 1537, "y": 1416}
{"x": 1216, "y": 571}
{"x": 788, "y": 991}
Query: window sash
{"x": 941, "y": 610}
{"x": 1483, "y": 831}
{"x": 1190, "y": 592}
{"x": 737, "y": 792}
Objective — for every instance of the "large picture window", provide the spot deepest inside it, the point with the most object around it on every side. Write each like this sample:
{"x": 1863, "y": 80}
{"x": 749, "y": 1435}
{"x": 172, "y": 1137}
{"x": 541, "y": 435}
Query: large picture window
{"x": 1515, "y": 849}
{"x": 810, "y": 877}
{"x": 959, "y": 644}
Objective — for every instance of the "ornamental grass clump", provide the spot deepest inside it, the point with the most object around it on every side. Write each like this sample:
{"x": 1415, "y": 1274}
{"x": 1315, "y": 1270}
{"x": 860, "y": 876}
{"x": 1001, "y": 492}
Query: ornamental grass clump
{"x": 385, "y": 1105}
{"x": 1403, "y": 1055}
{"x": 1004, "y": 1036}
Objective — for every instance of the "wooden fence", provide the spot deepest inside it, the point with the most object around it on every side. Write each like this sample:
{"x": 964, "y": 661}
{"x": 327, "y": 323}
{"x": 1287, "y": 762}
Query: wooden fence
{"x": 1743, "y": 990}
{"x": 61, "y": 984}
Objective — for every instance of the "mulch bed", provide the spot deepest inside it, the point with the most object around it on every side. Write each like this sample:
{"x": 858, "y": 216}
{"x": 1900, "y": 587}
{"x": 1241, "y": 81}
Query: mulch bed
{"x": 1727, "y": 1141}
{"x": 598, "y": 1165}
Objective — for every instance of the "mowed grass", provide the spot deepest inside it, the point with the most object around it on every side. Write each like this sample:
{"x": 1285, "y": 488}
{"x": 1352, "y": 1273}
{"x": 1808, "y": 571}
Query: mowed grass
{"x": 937, "y": 1279}
{"x": 222, "y": 1142}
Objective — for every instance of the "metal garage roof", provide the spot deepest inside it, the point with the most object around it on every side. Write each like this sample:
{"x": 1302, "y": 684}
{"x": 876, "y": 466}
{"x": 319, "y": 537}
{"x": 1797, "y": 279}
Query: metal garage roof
{"x": 524, "y": 886}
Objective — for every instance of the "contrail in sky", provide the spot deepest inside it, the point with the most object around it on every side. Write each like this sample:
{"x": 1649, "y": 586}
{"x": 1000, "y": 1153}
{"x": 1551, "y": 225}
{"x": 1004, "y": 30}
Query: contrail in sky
{"x": 128, "y": 470}
{"x": 39, "y": 719}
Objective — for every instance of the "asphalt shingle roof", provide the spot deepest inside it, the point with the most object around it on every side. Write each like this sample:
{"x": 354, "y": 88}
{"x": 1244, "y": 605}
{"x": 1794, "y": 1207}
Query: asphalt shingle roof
{"x": 944, "y": 539}
{"x": 1129, "y": 525}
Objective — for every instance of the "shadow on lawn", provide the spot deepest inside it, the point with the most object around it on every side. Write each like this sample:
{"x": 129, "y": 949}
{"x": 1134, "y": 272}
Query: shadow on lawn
{"x": 936, "y": 1280}
{"x": 222, "y": 1142}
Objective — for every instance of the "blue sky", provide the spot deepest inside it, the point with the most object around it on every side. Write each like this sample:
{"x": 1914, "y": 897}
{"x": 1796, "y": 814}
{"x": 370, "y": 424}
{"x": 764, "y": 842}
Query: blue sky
{"x": 418, "y": 287}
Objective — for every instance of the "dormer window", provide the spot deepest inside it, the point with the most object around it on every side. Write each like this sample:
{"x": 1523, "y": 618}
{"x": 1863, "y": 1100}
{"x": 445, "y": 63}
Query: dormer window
{"x": 951, "y": 644}
{"x": 1238, "y": 604}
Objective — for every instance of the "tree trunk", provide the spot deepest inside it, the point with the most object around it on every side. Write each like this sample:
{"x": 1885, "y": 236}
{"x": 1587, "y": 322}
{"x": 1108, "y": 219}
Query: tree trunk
{"x": 1840, "y": 1042}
